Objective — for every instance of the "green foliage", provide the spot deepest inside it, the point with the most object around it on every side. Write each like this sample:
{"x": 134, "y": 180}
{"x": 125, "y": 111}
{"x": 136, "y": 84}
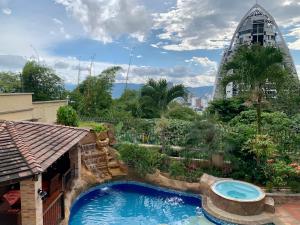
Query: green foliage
{"x": 176, "y": 169}
{"x": 261, "y": 146}
{"x": 269, "y": 187}
{"x": 128, "y": 105}
{"x": 143, "y": 160}
{"x": 204, "y": 133}
{"x": 92, "y": 97}
{"x": 295, "y": 186}
{"x": 100, "y": 128}
{"x": 288, "y": 97}
{"x": 284, "y": 130}
{"x": 180, "y": 112}
{"x": 156, "y": 95}
{"x": 42, "y": 82}
{"x": 226, "y": 109}
{"x": 279, "y": 173}
{"x": 9, "y": 82}
{"x": 67, "y": 116}
{"x": 253, "y": 69}
{"x": 193, "y": 175}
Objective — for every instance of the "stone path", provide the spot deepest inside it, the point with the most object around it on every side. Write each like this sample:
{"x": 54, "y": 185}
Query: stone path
{"x": 288, "y": 214}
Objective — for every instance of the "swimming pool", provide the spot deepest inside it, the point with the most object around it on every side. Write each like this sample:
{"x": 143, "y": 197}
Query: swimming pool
{"x": 133, "y": 203}
{"x": 238, "y": 191}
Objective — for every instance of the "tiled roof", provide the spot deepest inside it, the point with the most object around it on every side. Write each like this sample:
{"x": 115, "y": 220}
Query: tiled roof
{"x": 28, "y": 148}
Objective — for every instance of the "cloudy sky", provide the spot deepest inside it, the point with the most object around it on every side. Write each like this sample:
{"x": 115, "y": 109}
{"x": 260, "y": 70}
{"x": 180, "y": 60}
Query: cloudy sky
{"x": 181, "y": 40}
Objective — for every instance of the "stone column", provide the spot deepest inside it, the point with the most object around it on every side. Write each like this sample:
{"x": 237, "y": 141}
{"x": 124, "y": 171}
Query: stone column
{"x": 75, "y": 160}
{"x": 31, "y": 203}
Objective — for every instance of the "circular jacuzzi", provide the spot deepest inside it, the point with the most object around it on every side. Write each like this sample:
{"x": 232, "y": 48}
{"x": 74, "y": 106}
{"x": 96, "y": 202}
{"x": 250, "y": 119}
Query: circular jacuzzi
{"x": 238, "y": 197}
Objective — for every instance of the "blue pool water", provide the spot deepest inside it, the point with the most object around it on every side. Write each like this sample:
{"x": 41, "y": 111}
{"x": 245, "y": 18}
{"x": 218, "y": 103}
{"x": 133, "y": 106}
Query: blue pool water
{"x": 136, "y": 204}
{"x": 238, "y": 190}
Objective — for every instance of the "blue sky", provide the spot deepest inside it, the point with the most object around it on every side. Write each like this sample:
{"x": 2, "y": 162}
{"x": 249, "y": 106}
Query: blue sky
{"x": 180, "y": 40}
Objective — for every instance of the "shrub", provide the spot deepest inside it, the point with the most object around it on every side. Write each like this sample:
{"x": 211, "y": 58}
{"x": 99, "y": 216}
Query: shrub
{"x": 67, "y": 116}
{"x": 269, "y": 187}
{"x": 143, "y": 160}
{"x": 176, "y": 169}
{"x": 193, "y": 175}
{"x": 279, "y": 173}
{"x": 295, "y": 186}
{"x": 261, "y": 146}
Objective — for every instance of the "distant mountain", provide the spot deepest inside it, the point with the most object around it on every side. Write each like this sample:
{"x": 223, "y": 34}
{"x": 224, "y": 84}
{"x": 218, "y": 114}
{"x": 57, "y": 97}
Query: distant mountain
{"x": 118, "y": 89}
{"x": 70, "y": 87}
{"x": 201, "y": 91}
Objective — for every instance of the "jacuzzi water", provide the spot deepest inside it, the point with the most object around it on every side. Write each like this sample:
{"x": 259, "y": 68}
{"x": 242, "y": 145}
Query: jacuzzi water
{"x": 136, "y": 204}
{"x": 238, "y": 190}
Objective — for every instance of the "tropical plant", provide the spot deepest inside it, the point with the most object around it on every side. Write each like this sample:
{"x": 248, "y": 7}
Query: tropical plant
{"x": 256, "y": 69}
{"x": 261, "y": 146}
{"x": 156, "y": 95}
{"x": 43, "y": 82}
{"x": 67, "y": 116}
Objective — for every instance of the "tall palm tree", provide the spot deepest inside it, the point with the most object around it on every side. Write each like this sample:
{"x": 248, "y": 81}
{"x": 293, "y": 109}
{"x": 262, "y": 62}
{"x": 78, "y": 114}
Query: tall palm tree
{"x": 156, "y": 95}
{"x": 254, "y": 69}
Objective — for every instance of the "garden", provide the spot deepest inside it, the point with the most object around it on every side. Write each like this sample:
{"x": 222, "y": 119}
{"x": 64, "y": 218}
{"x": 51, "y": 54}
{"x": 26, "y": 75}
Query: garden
{"x": 256, "y": 135}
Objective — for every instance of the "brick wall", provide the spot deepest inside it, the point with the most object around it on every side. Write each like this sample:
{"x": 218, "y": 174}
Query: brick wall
{"x": 31, "y": 203}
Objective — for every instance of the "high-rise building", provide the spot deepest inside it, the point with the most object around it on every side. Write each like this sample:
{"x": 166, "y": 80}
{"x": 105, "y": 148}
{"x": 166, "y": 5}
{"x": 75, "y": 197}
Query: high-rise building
{"x": 257, "y": 26}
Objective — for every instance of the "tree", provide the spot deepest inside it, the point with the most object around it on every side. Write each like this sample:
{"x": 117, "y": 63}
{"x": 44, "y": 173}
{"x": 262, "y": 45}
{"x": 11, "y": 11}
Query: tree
{"x": 227, "y": 109}
{"x": 127, "y": 104}
{"x": 156, "y": 95}
{"x": 9, "y": 82}
{"x": 180, "y": 112}
{"x": 67, "y": 116}
{"x": 254, "y": 69}
{"x": 42, "y": 82}
{"x": 288, "y": 97}
{"x": 93, "y": 96}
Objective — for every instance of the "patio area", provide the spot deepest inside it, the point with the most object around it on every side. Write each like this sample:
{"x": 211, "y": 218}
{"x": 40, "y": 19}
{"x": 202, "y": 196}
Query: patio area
{"x": 288, "y": 214}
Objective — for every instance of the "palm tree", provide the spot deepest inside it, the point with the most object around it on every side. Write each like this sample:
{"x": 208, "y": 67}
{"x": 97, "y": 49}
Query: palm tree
{"x": 156, "y": 95}
{"x": 254, "y": 69}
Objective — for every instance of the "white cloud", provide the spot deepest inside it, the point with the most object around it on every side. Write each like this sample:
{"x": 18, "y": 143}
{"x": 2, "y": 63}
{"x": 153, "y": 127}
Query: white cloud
{"x": 6, "y": 11}
{"x": 106, "y": 20}
{"x": 294, "y": 33}
{"x": 67, "y": 68}
{"x": 139, "y": 56}
{"x": 203, "y": 61}
{"x": 210, "y": 24}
